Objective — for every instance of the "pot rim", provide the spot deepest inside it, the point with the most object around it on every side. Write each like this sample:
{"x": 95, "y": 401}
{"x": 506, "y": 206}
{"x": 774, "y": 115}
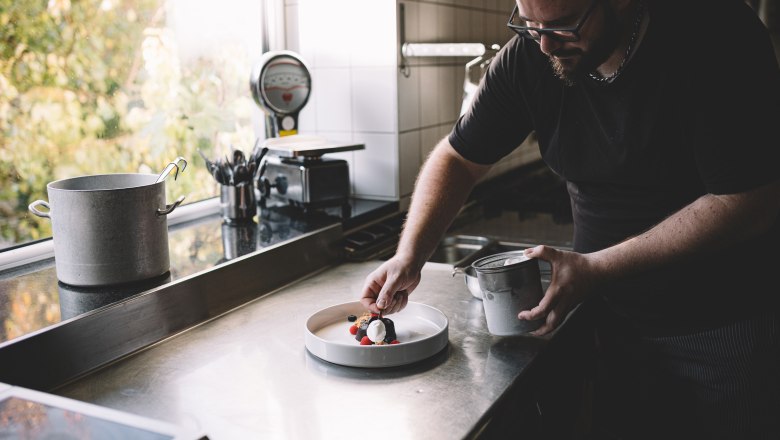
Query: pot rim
{"x": 479, "y": 265}
{"x": 56, "y": 185}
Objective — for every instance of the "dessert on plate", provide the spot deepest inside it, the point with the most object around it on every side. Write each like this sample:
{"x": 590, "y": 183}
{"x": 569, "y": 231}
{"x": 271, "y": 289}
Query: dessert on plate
{"x": 372, "y": 329}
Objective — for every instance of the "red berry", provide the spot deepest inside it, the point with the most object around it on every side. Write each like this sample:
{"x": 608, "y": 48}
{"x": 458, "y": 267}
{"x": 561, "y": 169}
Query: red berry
{"x": 375, "y": 315}
{"x": 353, "y": 329}
{"x": 365, "y": 341}
{"x": 396, "y": 341}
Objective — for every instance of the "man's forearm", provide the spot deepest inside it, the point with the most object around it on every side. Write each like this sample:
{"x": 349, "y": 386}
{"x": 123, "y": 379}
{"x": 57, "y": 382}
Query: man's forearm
{"x": 709, "y": 224}
{"x": 442, "y": 187}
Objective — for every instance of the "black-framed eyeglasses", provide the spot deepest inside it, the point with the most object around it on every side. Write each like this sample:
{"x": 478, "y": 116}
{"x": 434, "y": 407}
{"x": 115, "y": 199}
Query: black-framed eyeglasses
{"x": 556, "y": 33}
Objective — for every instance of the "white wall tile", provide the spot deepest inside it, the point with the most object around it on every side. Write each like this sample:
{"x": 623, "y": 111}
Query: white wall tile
{"x": 497, "y": 30}
{"x": 376, "y": 167}
{"x": 374, "y": 41}
{"x": 333, "y": 98}
{"x": 444, "y": 130}
{"x": 460, "y": 75}
{"x": 429, "y": 23}
{"x": 409, "y": 161}
{"x": 409, "y": 100}
{"x": 325, "y": 30}
{"x": 429, "y": 137}
{"x": 449, "y": 104}
{"x": 374, "y": 99}
{"x": 307, "y": 118}
{"x": 446, "y": 32}
{"x": 478, "y": 26}
{"x": 462, "y": 25}
{"x": 291, "y": 27}
{"x": 429, "y": 96}
{"x": 411, "y": 22}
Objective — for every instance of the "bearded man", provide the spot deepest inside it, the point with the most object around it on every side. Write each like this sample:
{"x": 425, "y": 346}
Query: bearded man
{"x": 662, "y": 116}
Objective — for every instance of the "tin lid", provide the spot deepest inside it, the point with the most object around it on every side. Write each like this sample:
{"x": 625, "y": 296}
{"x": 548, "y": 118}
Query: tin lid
{"x": 501, "y": 262}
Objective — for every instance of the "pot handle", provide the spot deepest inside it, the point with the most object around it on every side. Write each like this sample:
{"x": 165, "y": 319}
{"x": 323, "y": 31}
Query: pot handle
{"x": 169, "y": 208}
{"x": 171, "y": 166}
{"x": 33, "y": 208}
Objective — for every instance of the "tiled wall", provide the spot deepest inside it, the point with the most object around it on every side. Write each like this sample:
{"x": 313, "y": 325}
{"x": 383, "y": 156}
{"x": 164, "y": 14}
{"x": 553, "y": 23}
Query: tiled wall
{"x": 360, "y": 93}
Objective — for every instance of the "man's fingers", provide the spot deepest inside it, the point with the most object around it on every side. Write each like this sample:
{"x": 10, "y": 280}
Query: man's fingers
{"x": 385, "y": 299}
{"x": 542, "y": 252}
{"x": 369, "y": 304}
{"x": 399, "y": 301}
{"x": 548, "y": 325}
{"x": 554, "y": 319}
{"x": 541, "y": 310}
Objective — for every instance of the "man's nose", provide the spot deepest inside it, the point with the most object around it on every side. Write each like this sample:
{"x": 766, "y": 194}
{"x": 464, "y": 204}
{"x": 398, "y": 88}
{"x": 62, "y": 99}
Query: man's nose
{"x": 548, "y": 44}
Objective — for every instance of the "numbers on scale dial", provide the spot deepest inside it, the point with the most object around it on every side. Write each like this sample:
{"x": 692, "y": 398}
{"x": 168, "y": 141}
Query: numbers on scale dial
{"x": 286, "y": 85}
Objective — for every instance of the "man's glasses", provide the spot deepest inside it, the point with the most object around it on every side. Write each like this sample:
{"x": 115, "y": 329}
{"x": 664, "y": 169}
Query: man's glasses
{"x": 556, "y": 33}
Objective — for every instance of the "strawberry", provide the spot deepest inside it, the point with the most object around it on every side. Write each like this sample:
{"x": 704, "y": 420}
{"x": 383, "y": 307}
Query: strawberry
{"x": 365, "y": 341}
{"x": 396, "y": 341}
{"x": 353, "y": 329}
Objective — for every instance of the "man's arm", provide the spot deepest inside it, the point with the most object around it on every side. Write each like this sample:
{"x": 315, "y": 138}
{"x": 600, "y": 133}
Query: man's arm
{"x": 442, "y": 187}
{"x": 710, "y": 223}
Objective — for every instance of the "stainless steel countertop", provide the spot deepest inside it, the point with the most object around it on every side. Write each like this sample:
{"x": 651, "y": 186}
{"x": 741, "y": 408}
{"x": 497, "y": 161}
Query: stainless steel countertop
{"x": 247, "y": 374}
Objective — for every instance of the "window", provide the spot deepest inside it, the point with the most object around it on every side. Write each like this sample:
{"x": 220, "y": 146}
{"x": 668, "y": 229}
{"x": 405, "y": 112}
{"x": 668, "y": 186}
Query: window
{"x": 111, "y": 86}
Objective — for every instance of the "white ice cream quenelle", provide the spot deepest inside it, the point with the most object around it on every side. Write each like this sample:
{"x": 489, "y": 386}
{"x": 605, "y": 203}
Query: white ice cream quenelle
{"x": 376, "y": 331}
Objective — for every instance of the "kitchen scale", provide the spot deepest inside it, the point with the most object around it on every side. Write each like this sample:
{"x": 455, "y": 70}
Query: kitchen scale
{"x": 294, "y": 170}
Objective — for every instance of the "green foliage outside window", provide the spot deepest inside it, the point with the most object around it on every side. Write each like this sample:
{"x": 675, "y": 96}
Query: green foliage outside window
{"x": 95, "y": 87}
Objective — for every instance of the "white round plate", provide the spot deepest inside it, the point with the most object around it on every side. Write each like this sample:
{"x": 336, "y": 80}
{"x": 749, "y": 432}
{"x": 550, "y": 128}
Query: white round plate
{"x": 420, "y": 329}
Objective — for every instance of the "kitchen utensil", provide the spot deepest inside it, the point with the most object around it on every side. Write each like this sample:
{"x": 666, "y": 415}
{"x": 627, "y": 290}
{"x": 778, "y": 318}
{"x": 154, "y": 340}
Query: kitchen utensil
{"x": 421, "y": 329}
{"x": 238, "y": 203}
{"x": 471, "y": 280}
{"x": 510, "y": 282}
{"x": 108, "y": 229}
{"x": 258, "y": 152}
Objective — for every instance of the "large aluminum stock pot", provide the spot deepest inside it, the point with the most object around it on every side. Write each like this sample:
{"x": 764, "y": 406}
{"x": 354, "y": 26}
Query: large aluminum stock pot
{"x": 108, "y": 229}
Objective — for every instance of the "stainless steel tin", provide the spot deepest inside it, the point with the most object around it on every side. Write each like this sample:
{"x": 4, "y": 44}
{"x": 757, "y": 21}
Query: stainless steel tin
{"x": 470, "y": 278}
{"x": 238, "y": 203}
{"x": 109, "y": 228}
{"x": 509, "y": 289}
{"x": 472, "y": 282}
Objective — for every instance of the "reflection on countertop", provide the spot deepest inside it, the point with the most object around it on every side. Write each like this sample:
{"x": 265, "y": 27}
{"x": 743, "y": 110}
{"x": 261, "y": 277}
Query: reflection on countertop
{"x": 31, "y": 298}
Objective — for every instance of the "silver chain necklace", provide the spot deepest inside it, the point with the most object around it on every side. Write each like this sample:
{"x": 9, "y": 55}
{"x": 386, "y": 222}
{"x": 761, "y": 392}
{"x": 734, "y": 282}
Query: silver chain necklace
{"x": 637, "y": 25}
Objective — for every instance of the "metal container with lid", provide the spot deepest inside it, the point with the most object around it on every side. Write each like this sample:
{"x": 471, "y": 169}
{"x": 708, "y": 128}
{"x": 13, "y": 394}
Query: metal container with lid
{"x": 510, "y": 283}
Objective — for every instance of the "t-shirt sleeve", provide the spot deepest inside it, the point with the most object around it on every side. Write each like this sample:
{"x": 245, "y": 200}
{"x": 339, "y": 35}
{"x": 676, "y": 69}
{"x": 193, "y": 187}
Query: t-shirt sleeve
{"x": 498, "y": 119}
{"x": 735, "y": 130}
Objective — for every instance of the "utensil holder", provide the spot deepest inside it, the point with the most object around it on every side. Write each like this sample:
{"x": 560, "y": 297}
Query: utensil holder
{"x": 238, "y": 203}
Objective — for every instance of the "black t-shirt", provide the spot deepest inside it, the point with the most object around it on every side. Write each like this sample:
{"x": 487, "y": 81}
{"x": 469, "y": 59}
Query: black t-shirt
{"x": 695, "y": 111}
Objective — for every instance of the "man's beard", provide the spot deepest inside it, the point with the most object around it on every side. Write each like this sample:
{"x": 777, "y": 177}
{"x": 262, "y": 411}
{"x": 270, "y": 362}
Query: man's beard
{"x": 589, "y": 60}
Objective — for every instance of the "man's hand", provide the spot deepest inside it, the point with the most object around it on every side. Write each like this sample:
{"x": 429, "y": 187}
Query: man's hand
{"x": 573, "y": 280}
{"x": 388, "y": 287}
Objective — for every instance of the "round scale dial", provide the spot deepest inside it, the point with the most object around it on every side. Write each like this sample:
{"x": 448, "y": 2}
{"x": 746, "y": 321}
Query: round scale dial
{"x": 281, "y": 85}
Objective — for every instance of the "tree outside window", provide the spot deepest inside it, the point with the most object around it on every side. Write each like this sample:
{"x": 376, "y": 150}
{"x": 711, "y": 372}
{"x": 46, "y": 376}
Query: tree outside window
{"x": 116, "y": 86}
